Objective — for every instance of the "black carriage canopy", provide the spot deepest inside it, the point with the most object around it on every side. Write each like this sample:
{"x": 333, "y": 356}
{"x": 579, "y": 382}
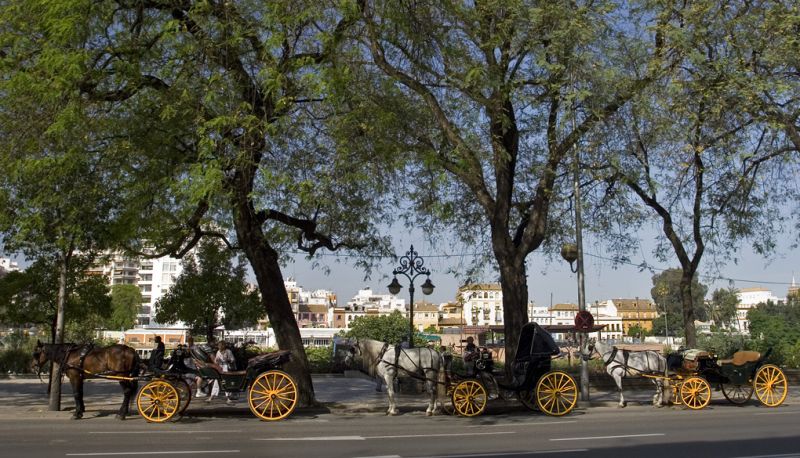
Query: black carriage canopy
{"x": 535, "y": 341}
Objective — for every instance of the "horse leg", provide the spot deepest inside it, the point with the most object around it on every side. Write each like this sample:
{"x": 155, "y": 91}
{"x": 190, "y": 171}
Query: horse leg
{"x": 431, "y": 384}
{"x": 127, "y": 390}
{"x": 389, "y": 377}
{"x": 618, "y": 380}
{"x": 76, "y": 382}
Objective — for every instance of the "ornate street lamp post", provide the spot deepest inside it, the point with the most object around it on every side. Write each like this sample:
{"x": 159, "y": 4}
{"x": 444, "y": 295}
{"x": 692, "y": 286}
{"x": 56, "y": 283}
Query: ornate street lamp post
{"x": 411, "y": 266}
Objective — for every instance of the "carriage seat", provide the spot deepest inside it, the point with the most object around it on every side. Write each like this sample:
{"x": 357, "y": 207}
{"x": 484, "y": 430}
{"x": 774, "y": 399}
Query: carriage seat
{"x": 740, "y": 358}
{"x": 695, "y": 354}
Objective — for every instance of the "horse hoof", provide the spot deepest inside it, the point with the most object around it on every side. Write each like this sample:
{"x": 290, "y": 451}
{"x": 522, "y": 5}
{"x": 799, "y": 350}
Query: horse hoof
{"x": 120, "y": 417}
{"x": 428, "y": 414}
{"x": 76, "y": 416}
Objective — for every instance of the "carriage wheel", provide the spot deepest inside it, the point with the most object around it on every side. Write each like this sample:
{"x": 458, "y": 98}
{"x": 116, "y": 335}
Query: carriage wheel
{"x": 770, "y": 385}
{"x": 184, "y": 394}
{"x": 158, "y": 401}
{"x": 737, "y": 394}
{"x": 469, "y": 398}
{"x": 527, "y": 398}
{"x": 695, "y": 393}
{"x": 272, "y": 396}
{"x": 556, "y": 393}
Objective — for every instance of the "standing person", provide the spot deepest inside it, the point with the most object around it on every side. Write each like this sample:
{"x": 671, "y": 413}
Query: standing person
{"x": 226, "y": 361}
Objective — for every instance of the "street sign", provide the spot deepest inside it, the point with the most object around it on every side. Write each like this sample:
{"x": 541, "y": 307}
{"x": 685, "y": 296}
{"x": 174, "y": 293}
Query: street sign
{"x": 584, "y": 321}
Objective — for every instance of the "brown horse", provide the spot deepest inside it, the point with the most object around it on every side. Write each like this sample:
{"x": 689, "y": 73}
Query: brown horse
{"x": 80, "y": 362}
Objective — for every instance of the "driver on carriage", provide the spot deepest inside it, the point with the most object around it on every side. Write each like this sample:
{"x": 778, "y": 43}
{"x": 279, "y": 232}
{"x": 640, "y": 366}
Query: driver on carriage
{"x": 470, "y": 354}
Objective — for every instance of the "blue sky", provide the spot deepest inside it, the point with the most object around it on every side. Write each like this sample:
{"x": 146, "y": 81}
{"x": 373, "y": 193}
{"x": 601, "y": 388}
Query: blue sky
{"x": 548, "y": 277}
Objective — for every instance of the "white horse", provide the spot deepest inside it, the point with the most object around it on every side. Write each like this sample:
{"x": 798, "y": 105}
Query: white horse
{"x": 386, "y": 361}
{"x": 624, "y": 363}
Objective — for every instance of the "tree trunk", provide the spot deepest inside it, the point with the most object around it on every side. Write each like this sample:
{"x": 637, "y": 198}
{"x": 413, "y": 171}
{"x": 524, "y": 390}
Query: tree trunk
{"x": 55, "y": 371}
{"x": 513, "y": 281}
{"x": 264, "y": 261}
{"x": 688, "y": 309}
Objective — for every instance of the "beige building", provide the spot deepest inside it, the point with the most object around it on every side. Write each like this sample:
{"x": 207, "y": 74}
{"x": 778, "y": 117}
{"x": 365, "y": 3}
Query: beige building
{"x": 636, "y": 312}
{"x": 483, "y": 304}
{"x": 425, "y": 315}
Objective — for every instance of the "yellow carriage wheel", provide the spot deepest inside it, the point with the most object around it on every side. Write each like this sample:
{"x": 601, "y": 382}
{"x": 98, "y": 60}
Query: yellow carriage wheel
{"x": 272, "y": 396}
{"x": 184, "y": 394}
{"x": 556, "y": 393}
{"x": 770, "y": 385}
{"x": 469, "y": 398}
{"x": 158, "y": 401}
{"x": 528, "y": 399}
{"x": 695, "y": 393}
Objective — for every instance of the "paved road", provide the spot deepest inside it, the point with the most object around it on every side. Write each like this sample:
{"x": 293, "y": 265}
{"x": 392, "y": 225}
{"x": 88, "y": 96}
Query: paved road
{"x": 353, "y": 426}
{"x": 719, "y": 431}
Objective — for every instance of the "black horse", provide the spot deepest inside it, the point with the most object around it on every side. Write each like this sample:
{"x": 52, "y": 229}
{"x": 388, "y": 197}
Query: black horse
{"x": 80, "y": 362}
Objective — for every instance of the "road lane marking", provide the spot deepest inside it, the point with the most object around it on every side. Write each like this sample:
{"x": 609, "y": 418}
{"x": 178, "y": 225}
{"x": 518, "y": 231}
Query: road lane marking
{"x": 179, "y": 431}
{"x": 780, "y": 413}
{"x": 363, "y": 438}
{"x": 404, "y": 436}
{"x": 784, "y": 455}
{"x": 380, "y": 456}
{"x": 169, "y": 452}
{"x": 527, "y": 424}
{"x": 316, "y": 438}
{"x": 538, "y": 452}
{"x": 606, "y": 437}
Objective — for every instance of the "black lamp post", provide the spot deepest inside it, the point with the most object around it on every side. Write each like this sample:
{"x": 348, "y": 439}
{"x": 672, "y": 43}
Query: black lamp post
{"x": 411, "y": 266}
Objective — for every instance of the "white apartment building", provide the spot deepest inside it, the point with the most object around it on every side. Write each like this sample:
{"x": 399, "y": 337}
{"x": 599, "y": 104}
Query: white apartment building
{"x": 749, "y": 298}
{"x": 367, "y": 299}
{"x": 154, "y": 277}
{"x": 310, "y": 308}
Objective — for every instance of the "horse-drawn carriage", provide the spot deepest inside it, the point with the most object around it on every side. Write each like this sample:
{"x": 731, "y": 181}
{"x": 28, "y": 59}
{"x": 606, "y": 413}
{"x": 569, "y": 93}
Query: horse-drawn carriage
{"x": 692, "y": 374}
{"x": 271, "y": 393}
{"x": 533, "y": 382}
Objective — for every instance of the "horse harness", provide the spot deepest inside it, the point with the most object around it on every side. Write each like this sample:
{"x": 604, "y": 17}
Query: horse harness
{"x": 624, "y": 364}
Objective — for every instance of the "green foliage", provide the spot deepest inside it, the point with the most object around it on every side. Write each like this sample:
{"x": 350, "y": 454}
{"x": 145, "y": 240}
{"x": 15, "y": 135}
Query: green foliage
{"x": 723, "y": 307}
{"x": 392, "y": 328}
{"x": 320, "y": 359}
{"x": 724, "y": 344}
{"x": 638, "y": 331}
{"x": 432, "y": 329}
{"x": 672, "y": 323}
{"x": 125, "y": 302}
{"x": 15, "y": 353}
{"x": 666, "y": 293}
{"x": 29, "y": 297}
{"x": 211, "y": 291}
{"x": 776, "y": 326}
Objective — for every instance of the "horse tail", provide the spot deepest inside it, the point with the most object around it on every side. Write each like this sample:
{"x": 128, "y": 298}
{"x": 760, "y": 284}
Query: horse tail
{"x": 137, "y": 367}
{"x": 442, "y": 377}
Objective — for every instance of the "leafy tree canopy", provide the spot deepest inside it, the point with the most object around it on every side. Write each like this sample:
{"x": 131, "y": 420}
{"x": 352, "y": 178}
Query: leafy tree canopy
{"x": 723, "y": 307}
{"x": 125, "y": 303}
{"x": 776, "y": 326}
{"x": 212, "y": 290}
{"x": 392, "y": 328}
{"x": 666, "y": 293}
{"x": 30, "y": 297}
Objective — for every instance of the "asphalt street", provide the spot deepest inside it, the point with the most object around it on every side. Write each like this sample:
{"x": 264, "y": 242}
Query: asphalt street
{"x": 352, "y": 424}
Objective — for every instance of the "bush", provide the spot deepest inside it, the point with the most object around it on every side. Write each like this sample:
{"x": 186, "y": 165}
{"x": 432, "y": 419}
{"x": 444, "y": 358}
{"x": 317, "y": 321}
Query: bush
{"x": 15, "y": 361}
{"x": 724, "y": 344}
{"x": 320, "y": 359}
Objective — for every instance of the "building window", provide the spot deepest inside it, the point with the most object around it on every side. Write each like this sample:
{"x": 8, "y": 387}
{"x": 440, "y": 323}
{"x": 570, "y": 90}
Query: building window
{"x": 146, "y": 277}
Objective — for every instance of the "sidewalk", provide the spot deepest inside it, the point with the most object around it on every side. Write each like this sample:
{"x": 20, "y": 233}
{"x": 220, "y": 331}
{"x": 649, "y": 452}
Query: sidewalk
{"x": 26, "y": 398}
